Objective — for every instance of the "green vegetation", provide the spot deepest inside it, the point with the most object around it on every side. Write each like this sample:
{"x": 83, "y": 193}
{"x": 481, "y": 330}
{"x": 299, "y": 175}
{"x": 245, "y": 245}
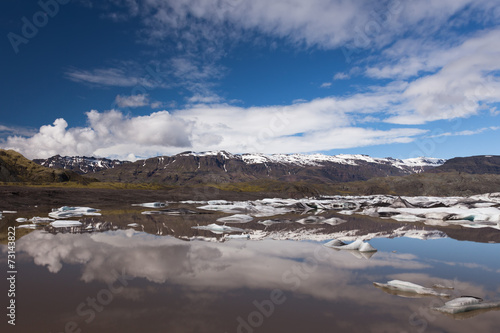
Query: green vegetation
{"x": 14, "y": 167}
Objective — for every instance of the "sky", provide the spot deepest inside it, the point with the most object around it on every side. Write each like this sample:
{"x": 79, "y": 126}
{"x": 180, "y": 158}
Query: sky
{"x": 134, "y": 79}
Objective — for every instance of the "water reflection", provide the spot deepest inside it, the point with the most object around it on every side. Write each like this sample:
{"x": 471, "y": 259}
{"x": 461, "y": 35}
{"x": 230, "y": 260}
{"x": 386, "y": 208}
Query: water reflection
{"x": 207, "y": 287}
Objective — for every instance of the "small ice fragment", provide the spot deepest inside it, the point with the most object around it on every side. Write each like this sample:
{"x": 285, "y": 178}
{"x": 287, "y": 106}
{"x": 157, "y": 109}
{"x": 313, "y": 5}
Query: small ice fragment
{"x": 65, "y": 224}
{"x": 218, "y": 229}
{"x": 366, "y": 247}
{"x": 237, "y": 236}
{"x": 21, "y": 219}
{"x": 133, "y": 225}
{"x": 38, "y": 219}
{"x": 237, "y": 218}
{"x": 151, "y": 204}
{"x": 466, "y": 303}
{"x": 408, "y": 287}
{"x": 26, "y": 226}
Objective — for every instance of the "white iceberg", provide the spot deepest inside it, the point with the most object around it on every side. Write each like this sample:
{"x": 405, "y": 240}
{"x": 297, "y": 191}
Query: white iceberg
{"x": 21, "y": 219}
{"x": 237, "y": 237}
{"x": 27, "y": 226}
{"x": 466, "y": 303}
{"x": 67, "y": 212}
{"x": 218, "y": 229}
{"x": 237, "y": 218}
{"x": 151, "y": 204}
{"x": 65, "y": 224}
{"x": 133, "y": 225}
{"x": 408, "y": 287}
{"x": 357, "y": 245}
{"x": 38, "y": 219}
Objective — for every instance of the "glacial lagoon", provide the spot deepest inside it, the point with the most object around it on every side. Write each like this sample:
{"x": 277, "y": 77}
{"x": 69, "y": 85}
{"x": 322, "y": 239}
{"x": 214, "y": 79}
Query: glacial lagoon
{"x": 153, "y": 269}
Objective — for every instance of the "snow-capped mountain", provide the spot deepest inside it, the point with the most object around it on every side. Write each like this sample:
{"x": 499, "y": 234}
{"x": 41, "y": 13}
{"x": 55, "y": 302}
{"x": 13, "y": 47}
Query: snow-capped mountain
{"x": 224, "y": 167}
{"x": 79, "y": 164}
{"x": 414, "y": 165}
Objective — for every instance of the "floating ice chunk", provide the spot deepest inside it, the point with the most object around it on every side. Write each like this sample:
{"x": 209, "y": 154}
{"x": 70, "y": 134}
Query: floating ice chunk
{"x": 237, "y": 218}
{"x": 66, "y": 212}
{"x": 334, "y": 243}
{"x": 357, "y": 245}
{"x": 409, "y": 287}
{"x": 237, "y": 236}
{"x": 466, "y": 303}
{"x": 346, "y": 212}
{"x": 21, "y": 219}
{"x": 179, "y": 211}
{"x": 27, "y": 226}
{"x": 65, "y": 224}
{"x": 366, "y": 247}
{"x": 407, "y": 218}
{"x": 38, "y": 219}
{"x": 151, "y": 204}
{"x": 321, "y": 220}
{"x": 218, "y": 202}
{"x": 9, "y": 212}
{"x": 267, "y": 223}
{"x": 218, "y": 229}
{"x": 133, "y": 225}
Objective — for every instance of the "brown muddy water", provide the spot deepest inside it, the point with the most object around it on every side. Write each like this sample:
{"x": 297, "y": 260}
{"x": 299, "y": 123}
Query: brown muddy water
{"x": 164, "y": 276}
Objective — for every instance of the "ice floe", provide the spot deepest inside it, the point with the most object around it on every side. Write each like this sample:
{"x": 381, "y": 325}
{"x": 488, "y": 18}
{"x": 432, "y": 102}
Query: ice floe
{"x": 465, "y": 304}
{"x": 27, "y": 226}
{"x": 321, "y": 220}
{"x": 38, "y": 219}
{"x": 178, "y": 211}
{"x": 357, "y": 245}
{"x": 237, "y": 218}
{"x": 151, "y": 204}
{"x": 66, "y": 224}
{"x": 218, "y": 229}
{"x": 21, "y": 220}
{"x": 67, "y": 212}
{"x": 133, "y": 225}
{"x": 402, "y": 288}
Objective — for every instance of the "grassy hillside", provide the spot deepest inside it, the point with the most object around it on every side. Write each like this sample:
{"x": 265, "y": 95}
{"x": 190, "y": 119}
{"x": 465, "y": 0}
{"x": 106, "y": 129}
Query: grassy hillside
{"x": 14, "y": 167}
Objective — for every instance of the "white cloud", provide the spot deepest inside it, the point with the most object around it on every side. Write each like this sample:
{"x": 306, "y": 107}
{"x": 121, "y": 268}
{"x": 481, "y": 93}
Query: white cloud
{"x": 467, "y": 132}
{"x": 327, "y": 24}
{"x": 133, "y": 101}
{"x": 320, "y": 124}
{"x": 108, "y": 134}
{"x": 326, "y": 85}
{"x": 341, "y": 76}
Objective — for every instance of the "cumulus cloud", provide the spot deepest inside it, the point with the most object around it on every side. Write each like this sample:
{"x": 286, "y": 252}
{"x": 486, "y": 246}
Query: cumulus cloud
{"x": 111, "y": 131}
{"x": 306, "y": 126}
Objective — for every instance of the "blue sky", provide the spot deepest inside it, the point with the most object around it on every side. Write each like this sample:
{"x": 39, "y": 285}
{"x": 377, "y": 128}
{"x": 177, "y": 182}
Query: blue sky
{"x": 133, "y": 79}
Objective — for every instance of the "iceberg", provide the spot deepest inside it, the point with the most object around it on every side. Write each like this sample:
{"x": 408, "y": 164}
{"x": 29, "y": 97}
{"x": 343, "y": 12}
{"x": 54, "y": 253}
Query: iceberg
{"x": 218, "y": 229}
{"x": 66, "y": 212}
{"x": 27, "y": 226}
{"x": 65, "y": 224}
{"x": 408, "y": 287}
{"x": 321, "y": 220}
{"x": 133, "y": 225}
{"x": 151, "y": 204}
{"x": 21, "y": 219}
{"x": 237, "y": 237}
{"x": 38, "y": 219}
{"x": 357, "y": 245}
{"x": 465, "y": 304}
{"x": 237, "y": 218}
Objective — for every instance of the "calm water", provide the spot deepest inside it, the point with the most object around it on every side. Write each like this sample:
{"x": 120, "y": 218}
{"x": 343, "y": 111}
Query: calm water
{"x": 133, "y": 281}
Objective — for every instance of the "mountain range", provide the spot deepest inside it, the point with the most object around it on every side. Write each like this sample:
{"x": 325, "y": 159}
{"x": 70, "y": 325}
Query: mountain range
{"x": 223, "y": 167}
{"x": 293, "y": 175}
